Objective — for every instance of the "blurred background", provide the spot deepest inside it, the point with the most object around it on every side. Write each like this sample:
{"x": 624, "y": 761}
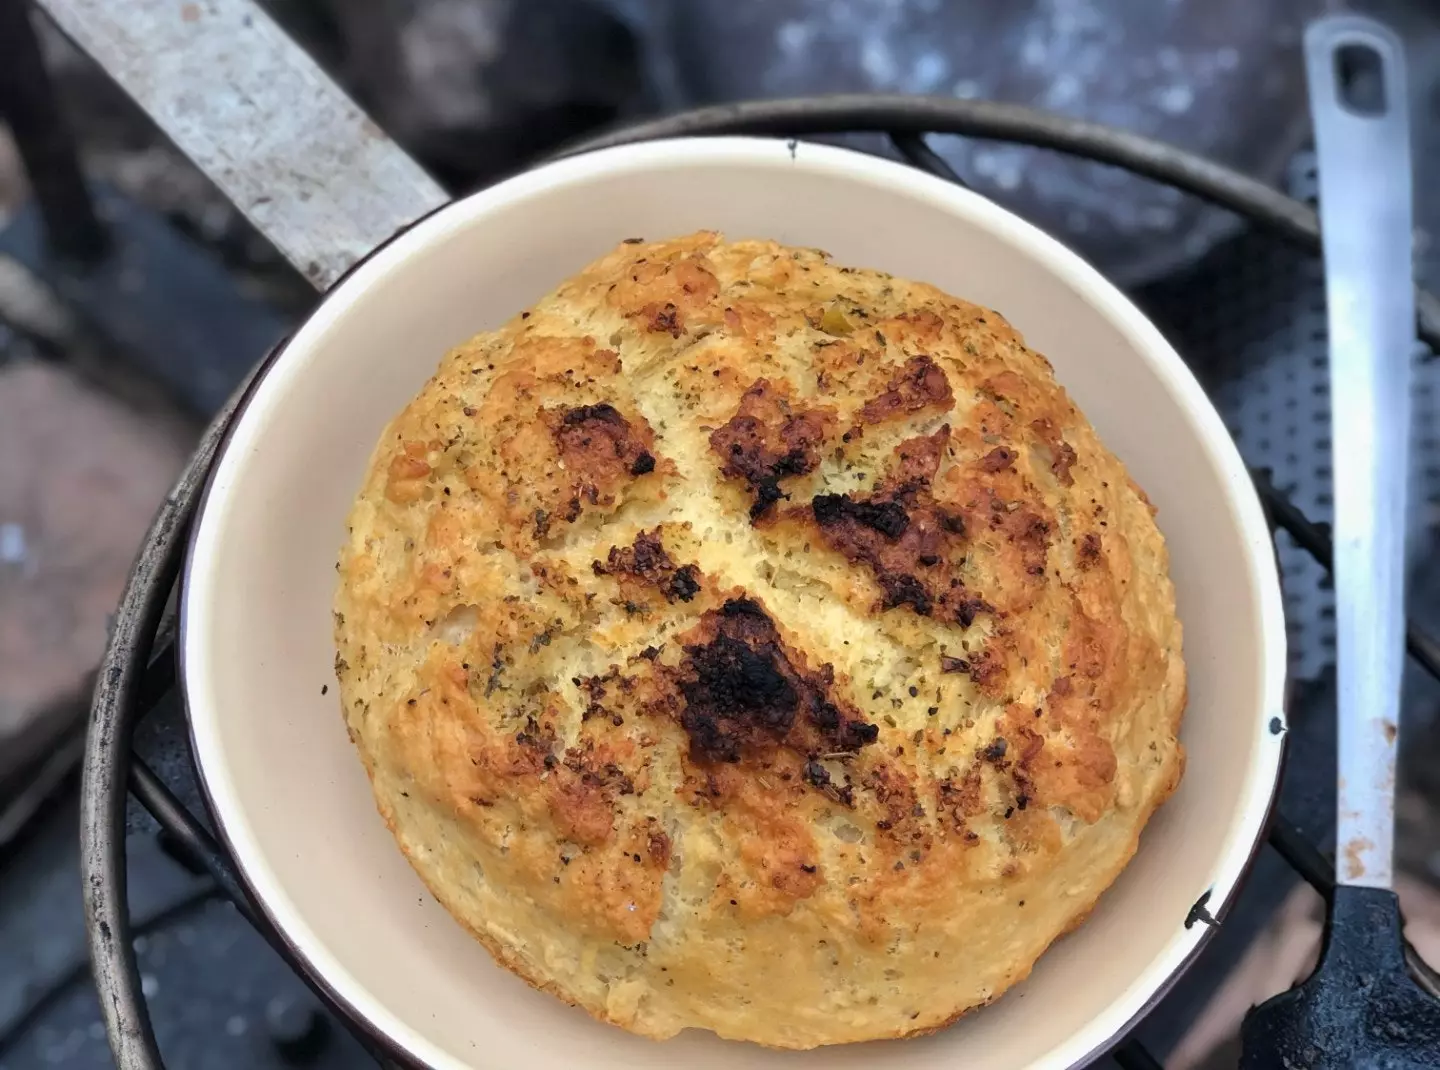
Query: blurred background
{"x": 115, "y": 355}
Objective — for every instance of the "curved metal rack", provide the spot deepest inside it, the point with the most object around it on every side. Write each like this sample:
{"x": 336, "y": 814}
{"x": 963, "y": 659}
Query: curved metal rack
{"x": 139, "y": 664}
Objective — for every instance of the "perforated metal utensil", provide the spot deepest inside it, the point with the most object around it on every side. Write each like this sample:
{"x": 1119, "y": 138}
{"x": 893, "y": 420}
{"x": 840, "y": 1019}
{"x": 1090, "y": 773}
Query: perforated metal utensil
{"x": 1361, "y": 1008}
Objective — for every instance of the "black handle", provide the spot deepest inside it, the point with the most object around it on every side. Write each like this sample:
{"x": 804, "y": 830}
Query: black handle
{"x": 1359, "y": 1010}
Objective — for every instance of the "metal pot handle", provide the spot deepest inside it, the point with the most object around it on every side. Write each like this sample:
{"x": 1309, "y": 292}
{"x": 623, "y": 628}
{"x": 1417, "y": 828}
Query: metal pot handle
{"x": 283, "y": 142}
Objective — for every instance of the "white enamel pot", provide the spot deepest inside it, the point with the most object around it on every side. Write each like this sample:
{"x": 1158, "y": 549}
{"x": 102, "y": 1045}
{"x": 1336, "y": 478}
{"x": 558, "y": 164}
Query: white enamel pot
{"x": 287, "y": 790}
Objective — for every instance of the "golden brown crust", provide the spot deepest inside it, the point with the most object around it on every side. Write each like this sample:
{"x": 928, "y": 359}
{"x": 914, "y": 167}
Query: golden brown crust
{"x": 738, "y": 641}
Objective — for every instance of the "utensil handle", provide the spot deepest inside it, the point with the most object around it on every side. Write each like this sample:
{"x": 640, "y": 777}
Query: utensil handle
{"x": 307, "y": 167}
{"x": 1358, "y": 98}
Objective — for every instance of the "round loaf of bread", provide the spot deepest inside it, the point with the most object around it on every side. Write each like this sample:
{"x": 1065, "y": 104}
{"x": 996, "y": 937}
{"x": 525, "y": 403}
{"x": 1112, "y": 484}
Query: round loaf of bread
{"x": 743, "y": 642}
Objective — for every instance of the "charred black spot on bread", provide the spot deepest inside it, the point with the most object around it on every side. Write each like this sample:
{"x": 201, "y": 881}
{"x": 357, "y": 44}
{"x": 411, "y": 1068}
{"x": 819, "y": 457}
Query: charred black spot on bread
{"x": 1087, "y": 554}
{"x": 663, "y": 319}
{"x": 888, "y": 518}
{"x": 602, "y": 450}
{"x": 744, "y": 607}
{"x": 744, "y": 692}
{"x": 920, "y": 384}
{"x": 767, "y": 493}
{"x": 685, "y": 584}
{"x": 769, "y": 438}
{"x": 647, "y": 560}
{"x": 604, "y": 413}
{"x": 902, "y": 589}
{"x": 912, "y": 544}
{"x": 967, "y": 609}
{"x": 738, "y": 695}
{"x": 593, "y": 688}
{"x": 593, "y": 428}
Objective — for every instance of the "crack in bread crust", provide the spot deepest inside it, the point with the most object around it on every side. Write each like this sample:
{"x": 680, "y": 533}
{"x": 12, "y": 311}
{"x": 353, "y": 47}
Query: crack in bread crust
{"x": 738, "y": 641}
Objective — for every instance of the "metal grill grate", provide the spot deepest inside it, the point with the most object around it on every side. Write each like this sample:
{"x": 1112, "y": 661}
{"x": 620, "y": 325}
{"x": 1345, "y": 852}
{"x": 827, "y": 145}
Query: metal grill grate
{"x": 1251, "y": 321}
